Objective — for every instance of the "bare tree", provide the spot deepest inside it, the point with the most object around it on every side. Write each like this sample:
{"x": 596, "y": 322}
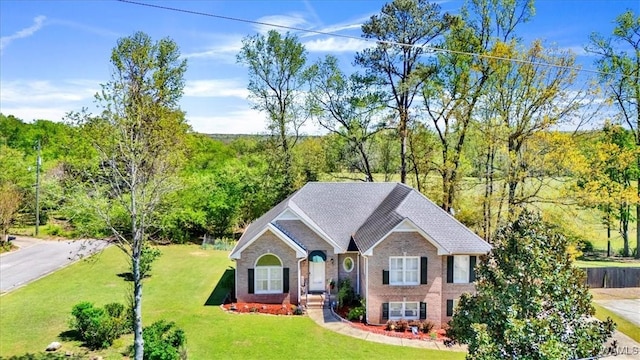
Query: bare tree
{"x": 276, "y": 66}
{"x": 138, "y": 138}
{"x": 350, "y": 107}
{"x": 403, "y": 29}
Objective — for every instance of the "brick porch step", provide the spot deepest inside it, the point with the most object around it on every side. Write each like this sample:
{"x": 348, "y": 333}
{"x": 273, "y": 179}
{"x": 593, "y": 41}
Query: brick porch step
{"x": 314, "y": 301}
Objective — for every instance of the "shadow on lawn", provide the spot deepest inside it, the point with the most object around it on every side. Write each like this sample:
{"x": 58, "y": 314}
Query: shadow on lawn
{"x": 127, "y": 276}
{"x": 69, "y": 335}
{"x": 223, "y": 292}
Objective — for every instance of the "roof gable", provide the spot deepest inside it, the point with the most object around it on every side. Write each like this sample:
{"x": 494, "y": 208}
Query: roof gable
{"x": 298, "y": 248}
{"x": 359, "y": 215}
{"x": 407, "y": 225}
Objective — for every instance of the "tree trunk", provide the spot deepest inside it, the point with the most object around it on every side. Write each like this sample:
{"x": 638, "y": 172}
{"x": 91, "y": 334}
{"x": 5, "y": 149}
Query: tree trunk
{"x": 403, "y": 147}
{"x": 136, "y": 253}
{"x": 488, "y": 192}
{"x": 138, "y": 342}
{"x": 624, "y": 228}
{"x": 365, "y": 162}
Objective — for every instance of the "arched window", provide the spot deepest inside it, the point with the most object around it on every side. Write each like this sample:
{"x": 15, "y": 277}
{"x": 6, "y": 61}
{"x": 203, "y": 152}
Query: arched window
{"x": 268, "y": 278}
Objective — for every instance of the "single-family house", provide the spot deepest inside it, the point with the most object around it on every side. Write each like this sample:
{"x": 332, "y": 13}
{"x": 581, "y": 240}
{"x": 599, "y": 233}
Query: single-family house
{"x": 406, "y": 256}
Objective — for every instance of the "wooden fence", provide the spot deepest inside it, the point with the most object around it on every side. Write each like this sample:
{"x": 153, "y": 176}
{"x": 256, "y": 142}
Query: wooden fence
{"x": 613, "y": 277}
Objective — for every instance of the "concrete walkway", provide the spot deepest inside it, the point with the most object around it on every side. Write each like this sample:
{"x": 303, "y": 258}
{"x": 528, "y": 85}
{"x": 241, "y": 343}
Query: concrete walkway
{"x": 326, "y": 319}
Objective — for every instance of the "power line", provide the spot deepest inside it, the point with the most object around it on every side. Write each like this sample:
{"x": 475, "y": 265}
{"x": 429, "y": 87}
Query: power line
{"x": 394, "y": 43}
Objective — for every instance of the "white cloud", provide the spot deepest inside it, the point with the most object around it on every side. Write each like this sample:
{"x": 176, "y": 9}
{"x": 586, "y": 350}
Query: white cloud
{"x": 246, "y": 121}
{"x": 577, "y": 50}
{"x": 31, "y": 113}
{"x": 38, "y": 22}
{"x": 225, "y": 49}
{"x": 291, "y": 20}
{"x": 241, "y": 121}
{"x": 40, "y": 99}
{"x": 336, "y": 44}
{"x": 216, "y": 88}
{"x": 39, "y": 91}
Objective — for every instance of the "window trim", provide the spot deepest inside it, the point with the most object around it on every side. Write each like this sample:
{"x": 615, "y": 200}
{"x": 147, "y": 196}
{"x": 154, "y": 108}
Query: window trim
{"x": 344, "y": 264}
{"x": 274, "y": 273}
{"x": 457, "y": 269}
{"x": 404, "y": 310}
{"x": 404, "y": 271}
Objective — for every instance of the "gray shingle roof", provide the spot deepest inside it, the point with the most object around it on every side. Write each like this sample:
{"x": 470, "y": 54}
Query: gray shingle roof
{"x": 368, "y": 211}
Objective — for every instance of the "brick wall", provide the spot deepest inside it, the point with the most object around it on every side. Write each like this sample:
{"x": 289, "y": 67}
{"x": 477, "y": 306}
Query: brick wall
{"x": 435, "y": 293}
{"x": 405, "y": 244}
{"x": 268, "y": 243}
{"x": 451, "y": 291}
{"x": 353, "y": 274}
{"x": 312, "y": 241}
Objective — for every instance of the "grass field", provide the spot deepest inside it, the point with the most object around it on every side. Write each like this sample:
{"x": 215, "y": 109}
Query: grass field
{"x": 181, "y": 285}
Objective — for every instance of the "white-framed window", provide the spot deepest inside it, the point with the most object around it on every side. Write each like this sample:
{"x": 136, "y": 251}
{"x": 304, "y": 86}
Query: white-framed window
{"x": 347, "y": 264}
{"x": 404, "y": 270}
{"x": 268, "y": 275}
{"x": 404, "y": 310}
{"x": 461, "y": 269}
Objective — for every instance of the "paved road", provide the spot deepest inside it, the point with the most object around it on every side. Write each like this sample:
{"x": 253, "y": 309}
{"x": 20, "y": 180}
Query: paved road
{"x": 37, "y": 258}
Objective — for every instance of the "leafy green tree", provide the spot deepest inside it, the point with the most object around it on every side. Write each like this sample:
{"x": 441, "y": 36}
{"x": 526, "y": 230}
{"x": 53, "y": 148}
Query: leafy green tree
{"x": 619, "y": 61}
{"x": 531, "y": 302}
{"x": 139, "y": 141}
{"x": 603, "y": 178}
{"x": 403, "y": 29}
{"x": 349, "y": 107}
{"x": 9, "y": 204}
{"x": 276, "y": 67}
{"x": 456, "y": 83}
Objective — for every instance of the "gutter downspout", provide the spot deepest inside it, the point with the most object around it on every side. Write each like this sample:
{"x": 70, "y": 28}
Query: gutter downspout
{"x": 299, "y": 295}
{"x": 366, "y": 286}
{"x": 358, "y": 274}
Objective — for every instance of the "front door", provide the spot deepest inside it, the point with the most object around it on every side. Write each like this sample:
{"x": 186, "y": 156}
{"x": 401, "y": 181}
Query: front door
{"x": 316, "y": 276}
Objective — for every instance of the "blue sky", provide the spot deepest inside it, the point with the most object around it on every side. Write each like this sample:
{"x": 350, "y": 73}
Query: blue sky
{"x": 54, "y": 54}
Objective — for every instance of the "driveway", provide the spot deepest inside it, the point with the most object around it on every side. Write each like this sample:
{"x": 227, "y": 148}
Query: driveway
{"x": 37, "y": 258}
{"x": 627, "y": 308}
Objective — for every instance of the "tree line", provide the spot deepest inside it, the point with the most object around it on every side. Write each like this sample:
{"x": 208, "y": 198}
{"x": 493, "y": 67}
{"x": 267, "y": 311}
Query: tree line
{"x": 442, "y": 101}
{"x": 433, "y": 104}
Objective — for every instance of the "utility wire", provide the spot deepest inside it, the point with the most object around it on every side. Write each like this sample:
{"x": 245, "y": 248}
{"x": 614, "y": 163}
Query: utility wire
{"x": 394, "y": 43}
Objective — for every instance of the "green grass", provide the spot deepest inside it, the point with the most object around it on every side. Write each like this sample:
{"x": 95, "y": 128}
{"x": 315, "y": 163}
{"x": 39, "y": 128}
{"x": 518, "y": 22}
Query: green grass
{"x": 622, "y": 325}
{"x": 182, "y": 281}
{"x": 607, "y": 263}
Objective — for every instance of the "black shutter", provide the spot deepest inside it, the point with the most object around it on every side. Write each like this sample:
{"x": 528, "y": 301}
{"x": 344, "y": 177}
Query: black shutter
{"x": 285, "y": 280}
{"x": 385, "y": 311}
{"x": 449, "y": 307}
{"x": 472, "y": 268}
{"x": 250, "y": 281}
{"x": 423, "y": 270}
{"x": 449, "y": 269}
{"x": 423, "y": 311}
{"x": 385, "y": 277}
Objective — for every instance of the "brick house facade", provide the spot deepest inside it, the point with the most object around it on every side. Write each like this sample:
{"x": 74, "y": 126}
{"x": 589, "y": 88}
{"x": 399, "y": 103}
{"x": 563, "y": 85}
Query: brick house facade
{"x": 407, "y": 257}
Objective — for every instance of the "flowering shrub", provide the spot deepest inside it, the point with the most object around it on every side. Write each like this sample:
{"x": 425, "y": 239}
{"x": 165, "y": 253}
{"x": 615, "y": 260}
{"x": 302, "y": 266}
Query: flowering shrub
{"x": 273, "y": 309}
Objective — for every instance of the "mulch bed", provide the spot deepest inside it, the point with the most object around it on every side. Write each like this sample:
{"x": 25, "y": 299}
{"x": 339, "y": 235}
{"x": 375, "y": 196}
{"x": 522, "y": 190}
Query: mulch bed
{"x": 257, "y": 308}
{"x": 440, "y": 335}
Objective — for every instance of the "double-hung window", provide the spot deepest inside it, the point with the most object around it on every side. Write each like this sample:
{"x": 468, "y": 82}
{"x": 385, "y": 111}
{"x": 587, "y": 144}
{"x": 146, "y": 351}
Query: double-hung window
{"x": 268, "y": 275}
{"x": 404, "y": 270}
{"x": 403, "y": 310}
{"x": 461, "y": 269}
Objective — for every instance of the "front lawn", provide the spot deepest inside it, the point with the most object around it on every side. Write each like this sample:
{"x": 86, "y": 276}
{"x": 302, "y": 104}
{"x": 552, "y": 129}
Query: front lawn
{"x": 181, "y": 284}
